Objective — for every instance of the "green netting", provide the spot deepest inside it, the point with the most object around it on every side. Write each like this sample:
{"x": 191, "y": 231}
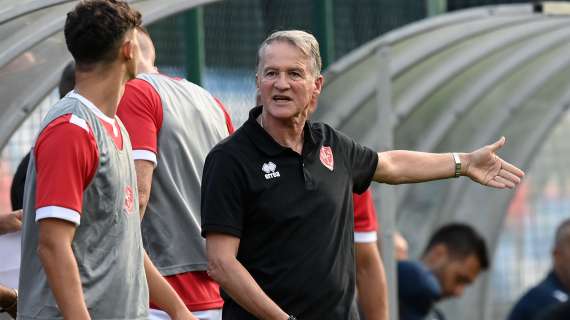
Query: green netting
{"x": 233, "y": 31}
{"x": 359, "y": 21}
{"x": 168, "y": 36}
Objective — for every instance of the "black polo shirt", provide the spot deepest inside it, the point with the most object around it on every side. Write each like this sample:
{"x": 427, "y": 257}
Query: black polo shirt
{"x": 293, "y": 214}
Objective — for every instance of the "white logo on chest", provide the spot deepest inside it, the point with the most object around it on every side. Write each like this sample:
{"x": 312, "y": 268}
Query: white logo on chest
{"x": 269, "y": 169}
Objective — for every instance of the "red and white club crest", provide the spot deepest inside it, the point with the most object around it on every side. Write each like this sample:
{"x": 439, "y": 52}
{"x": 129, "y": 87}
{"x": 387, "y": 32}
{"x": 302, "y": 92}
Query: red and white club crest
{"x": 129, "y": 199}
{"x": 327, "y": 157}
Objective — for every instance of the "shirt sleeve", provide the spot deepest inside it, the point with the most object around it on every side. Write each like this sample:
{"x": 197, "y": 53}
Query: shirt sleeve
{"x": 365, "y": 223}
{"x": 67, "y": 157}
{"x": 361, "y": 161}
{"x": 223, "y": 195}
{"x": 141, "y": 112}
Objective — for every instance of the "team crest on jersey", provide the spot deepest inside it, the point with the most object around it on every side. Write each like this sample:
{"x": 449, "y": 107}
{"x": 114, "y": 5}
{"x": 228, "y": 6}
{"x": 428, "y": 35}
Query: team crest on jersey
{"x": 269, "y": 169}
{"x": 129, "y": 199}
{"x": 327, "y": 158}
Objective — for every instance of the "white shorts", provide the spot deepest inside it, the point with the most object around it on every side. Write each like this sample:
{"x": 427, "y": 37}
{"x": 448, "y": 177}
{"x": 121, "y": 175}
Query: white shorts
{"x": 214, "y": 314}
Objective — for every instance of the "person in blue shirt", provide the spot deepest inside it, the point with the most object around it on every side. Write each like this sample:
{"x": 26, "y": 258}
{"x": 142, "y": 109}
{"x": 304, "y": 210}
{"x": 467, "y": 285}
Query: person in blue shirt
{"x": 452, "y": 260}
{"x": 555, "y": 288}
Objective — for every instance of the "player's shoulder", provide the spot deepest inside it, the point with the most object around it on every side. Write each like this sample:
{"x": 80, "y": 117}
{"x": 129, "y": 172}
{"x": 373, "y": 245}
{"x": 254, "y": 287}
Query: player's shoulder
{"x": 69, "y": 124}
{"x": 416, "y": 280}
{"x": 139, "y": 84}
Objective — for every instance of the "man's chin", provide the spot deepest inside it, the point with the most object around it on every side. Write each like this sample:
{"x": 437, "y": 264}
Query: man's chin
{"x": 280, "y": 110}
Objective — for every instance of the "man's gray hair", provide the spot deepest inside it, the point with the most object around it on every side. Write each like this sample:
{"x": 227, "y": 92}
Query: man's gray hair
{"x": 562, "y": 233}
{"x": 302, "y": 40}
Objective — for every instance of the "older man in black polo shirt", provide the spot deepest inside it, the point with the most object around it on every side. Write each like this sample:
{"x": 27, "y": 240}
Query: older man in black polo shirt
{"x": 277, "y": 195}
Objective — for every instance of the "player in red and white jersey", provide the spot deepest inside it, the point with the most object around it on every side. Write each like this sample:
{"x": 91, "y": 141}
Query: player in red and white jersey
{"x": 82, "y": 255}
{"x": 370, "y": 276}
{"x": 173, "y": 124}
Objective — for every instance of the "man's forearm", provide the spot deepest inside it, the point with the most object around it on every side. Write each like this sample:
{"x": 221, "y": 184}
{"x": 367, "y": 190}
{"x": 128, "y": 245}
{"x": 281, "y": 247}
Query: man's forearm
{"x": 63, "y": 277}
{"x": 402, "y": 166}
{"x": 144, "y": 171}
{"x": 241, "y": 286}
{"x": 371, "y": 282}
{"x": 163, "y": 295}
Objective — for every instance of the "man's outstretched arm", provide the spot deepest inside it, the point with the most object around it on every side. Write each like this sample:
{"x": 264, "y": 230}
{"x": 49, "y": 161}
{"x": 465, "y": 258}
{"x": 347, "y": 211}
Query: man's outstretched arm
{"x": 482, "y": 166}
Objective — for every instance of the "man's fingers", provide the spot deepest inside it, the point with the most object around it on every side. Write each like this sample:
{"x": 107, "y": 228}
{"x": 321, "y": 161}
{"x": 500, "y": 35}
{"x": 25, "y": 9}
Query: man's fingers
{"x": 495, "y": 184}
{"x": 507, "y": 183}
{"x": 509, "y": 176}
{"x": 498, "y": 144}
{"x": 18, "y": 214}
{"x": 512, "y": 169}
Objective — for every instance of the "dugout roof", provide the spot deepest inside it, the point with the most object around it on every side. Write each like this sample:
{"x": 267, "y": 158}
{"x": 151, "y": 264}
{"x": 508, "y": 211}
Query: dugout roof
{"x": 455, "y": 82}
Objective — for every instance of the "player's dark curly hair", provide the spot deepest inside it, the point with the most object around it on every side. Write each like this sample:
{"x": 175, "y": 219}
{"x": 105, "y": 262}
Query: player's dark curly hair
{"x": 95, "y": 29}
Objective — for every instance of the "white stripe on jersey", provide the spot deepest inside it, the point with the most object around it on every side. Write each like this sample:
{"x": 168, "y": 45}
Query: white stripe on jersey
{"x": 79, "y": 122}
{"x": 145, "y": 155}
{"x": 365, "y": 237}
{"x": 59, "y": 213}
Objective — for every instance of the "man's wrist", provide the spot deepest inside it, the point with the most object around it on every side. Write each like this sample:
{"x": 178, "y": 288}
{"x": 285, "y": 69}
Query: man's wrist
{"x": 465, "y": 162}
{"x": 457, "y": 165}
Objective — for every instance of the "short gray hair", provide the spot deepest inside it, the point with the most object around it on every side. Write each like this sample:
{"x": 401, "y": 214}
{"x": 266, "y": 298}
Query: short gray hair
{"x": 302, "y": 40}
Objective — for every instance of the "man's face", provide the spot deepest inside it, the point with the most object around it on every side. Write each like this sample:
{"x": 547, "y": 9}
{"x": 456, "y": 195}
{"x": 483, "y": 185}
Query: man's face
{"x": 455, "y": 274}
{"x": 286, "y": 81}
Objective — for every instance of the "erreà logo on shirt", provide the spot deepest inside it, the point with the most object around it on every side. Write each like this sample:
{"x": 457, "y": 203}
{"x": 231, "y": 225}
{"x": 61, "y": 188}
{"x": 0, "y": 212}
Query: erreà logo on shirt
{"x": 269, "y": 169}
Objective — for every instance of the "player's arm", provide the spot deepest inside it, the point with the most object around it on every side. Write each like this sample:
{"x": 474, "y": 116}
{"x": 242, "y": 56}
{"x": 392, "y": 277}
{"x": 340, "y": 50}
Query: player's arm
{"x": 370, "y": 276}
{"x": 140, "y": 110}
{"x": 371, "y": 281}
{"x": 162, "y": 294}
{"x": 59, "y": 198}
{"x": 225, "y": 269}
{"x": 144, "y": 169}
{"x": 58, "y": 260}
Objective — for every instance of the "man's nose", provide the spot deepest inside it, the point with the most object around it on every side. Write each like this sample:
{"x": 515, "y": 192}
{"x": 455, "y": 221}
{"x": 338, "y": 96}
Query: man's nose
{"x": 282, "y": 82}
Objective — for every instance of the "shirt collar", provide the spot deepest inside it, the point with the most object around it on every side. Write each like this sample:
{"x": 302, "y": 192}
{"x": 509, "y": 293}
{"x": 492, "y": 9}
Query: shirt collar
{"x": 265, "y": 143}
